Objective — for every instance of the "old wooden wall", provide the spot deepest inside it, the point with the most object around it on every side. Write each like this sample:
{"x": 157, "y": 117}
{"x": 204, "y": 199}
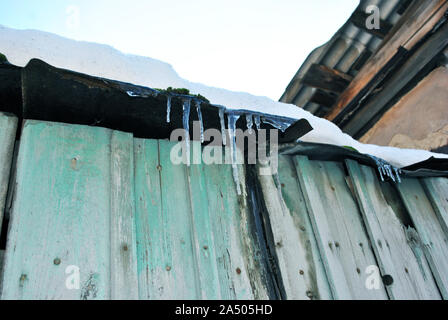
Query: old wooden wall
{"x": 136, "y": 226}
{"x": 334, "y": 224}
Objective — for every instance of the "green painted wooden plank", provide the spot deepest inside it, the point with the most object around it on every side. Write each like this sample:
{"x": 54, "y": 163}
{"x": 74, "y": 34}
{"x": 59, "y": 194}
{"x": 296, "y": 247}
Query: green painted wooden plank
{"x": 430, "y": 230}
{"x": 437, "y": 192}
{"x": 238, "y": 259}
{"x": 166, "y": 253}
{"x": 148, "y": 218}
{"x": 8, "y": 127}
{"x": 411, "y": 275}
{"x": 61, "y": 206}
{"x": 124, "y": 282}
{"x": 193, "y": 238}
{"x": 73, "y": 208}
{"x": 202, "y": 226}
{"x": 300, "y": 263}
{"x": 337, "y": 224}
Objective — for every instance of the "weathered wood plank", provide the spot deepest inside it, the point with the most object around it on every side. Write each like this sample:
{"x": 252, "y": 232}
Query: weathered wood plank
{"x": 148, "y": 217}
{"x": 437, "y": 192}
{"x": 203, "y": 237}
{"x": 301, "y": 267}
{"x": 337, "y": 225}
{"x": 430, "y": 230}
{"x": 238, "y": 270}
{"x": 60, "y": 215}
{"x": 412, "y": 278}
{"x": 8, "y": 127}
{"x": 167, "y": 265}
{"x": 193, "y": 239}
{"x": 124, "y": 282}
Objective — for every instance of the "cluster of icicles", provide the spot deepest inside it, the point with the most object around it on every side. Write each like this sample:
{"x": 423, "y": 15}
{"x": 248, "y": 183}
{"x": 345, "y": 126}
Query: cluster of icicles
{"x": 232, "y": 118}
{"x": 387, "y": 170}
{"x": 252, "y": 118}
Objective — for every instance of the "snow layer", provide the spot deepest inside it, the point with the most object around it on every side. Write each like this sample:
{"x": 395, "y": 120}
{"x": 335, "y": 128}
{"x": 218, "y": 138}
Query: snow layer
{"x": 20, "y": 46}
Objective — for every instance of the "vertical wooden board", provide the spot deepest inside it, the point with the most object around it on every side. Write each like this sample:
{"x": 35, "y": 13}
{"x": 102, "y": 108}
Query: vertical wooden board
{"x": 124, "y": 282}
{"x": 177, "y": 211}
{"x": 60, "y": 216}
{"x": 430, "y": 230}
{"x": 8, "y": 127}
{"x": 412, "y": 278}
{"x": 437, "y": 192}
{"x": 337, "y": 224}
{"x": 167, "y": 264}
{"x": 148, "y": 219}
{"x": 220, "y": 205}
{"x": 300, "y": 263}
{"x": 239, "y": 270}
{"x": 243, "y": 230}
{"x": 203, "y": 235}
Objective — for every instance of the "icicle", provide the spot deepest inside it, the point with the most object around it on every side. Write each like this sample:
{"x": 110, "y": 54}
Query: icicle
{"x": 198, "y": 109}
{"x": 380, "y": 169}
{"x": 185, "y": 120}
{"x": 257, "y": 121}
{"x": 397, "y": 173}
{"x": 249, "y": 122}
{"x": 168, "y": 108}
{"x": 387, "y": 170}
{"x": 232, "y": 119}
{"x": 277, "y": 123}
{"x": 223, "y": 125}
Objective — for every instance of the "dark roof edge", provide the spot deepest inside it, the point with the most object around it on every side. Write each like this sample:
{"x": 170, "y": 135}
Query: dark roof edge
{"x": 432, "y": 167}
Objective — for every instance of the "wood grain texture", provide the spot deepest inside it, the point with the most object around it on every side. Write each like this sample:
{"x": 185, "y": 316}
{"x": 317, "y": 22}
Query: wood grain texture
{"x": 193, "y": 239}
{"x": 124, "y": 282}
{"x": 8, "y": 127}
{"x": 166, "y": 264}
{"x": 337, "y": 225}
{"x": 238, "y": 258}
{"x": 412, "y": 278}
{"x": 62, "y": 213}
{"x": 429, "y": 229}
{"x": 300, "y": 263}
{"x": 437, "y": 192}
{"x": 205, "y": 244}
{"x": 138, "y": 226}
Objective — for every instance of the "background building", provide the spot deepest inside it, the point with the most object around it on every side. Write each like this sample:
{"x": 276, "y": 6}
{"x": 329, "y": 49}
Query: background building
{"x": 384, "y": 86}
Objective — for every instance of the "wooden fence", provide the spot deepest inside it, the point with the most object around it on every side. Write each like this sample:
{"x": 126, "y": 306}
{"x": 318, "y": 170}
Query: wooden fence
{"x": 334, "y": 224}
{"x": 136, "y": 226}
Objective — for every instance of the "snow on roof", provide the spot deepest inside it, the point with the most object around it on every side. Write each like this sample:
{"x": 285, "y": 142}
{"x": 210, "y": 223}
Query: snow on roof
{"x": 20, "y": 46}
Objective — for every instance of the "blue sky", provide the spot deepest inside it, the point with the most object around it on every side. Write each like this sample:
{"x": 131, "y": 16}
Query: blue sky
{"x": 254, "y": 46}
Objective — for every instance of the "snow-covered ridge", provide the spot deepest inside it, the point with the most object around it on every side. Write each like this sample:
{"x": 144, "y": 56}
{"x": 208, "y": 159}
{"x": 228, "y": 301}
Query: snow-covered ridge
{"x": 20, "y": 46}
